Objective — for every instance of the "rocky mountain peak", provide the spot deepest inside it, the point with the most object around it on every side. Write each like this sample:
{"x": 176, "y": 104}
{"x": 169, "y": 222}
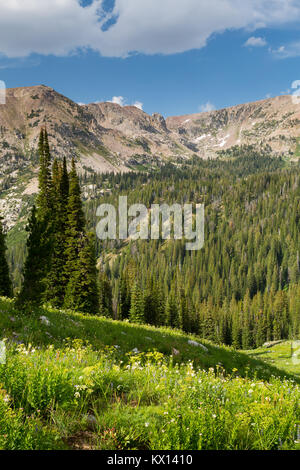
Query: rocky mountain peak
{"x": 108, "y": 137}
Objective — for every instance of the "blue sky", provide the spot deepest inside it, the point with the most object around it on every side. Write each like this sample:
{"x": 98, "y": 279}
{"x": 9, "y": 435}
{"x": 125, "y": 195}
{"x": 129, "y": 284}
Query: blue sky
{"x": 173, "y": 61}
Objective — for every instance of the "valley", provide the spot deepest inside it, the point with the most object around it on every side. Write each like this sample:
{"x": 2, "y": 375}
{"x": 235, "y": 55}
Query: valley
{"x": 110, "y": 344}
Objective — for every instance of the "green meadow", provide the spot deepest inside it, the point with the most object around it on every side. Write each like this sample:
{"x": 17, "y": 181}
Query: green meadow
{"x": 72, "y": 381}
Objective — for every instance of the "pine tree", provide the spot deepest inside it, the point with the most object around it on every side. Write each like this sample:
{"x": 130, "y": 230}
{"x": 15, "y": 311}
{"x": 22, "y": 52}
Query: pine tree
{"x": 40, "y": 228}
{"x": 171, "y": 311}
{"x": 56, "y": 282}
{"x": 236, "y": 331}
{"x": 124, "y": 298}
{"x": 32, "y": 287}
{"x": 64, "y": 183}
{"x": 80, "y": 274}
{"x": 61, "y": 260}
{"x": 105, "y": 296}
{"x": 151, "y": 304}
{"x": 82, "y": 291}
{"x": 45, "y": 196}
{"x": 209, "y": 324}
{"x": 5, "y": 282}
{"x": 75, "y": 225}
{"x": 160, "y": 304}
{"x": 137, "y": 305}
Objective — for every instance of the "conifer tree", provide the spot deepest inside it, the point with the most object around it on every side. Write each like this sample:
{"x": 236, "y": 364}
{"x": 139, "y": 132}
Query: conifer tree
{"x": 82, "y": 292}
{"x": 151, "y": 304}
{"x": 45, "y": 196}
{"x": 64, "y": 183}
{"x": 105, "y": 296}
{"x": 160, "y": 303}
{"x": 56, "y": 283}
{"x": 251, "y": 245}
{"x": 171, "y": 311}
{"x": 61, "y": 260}
{"x": 40, "y": 228}
{"x": 75, "y": 224}
{"x": 124, "y": 298}
{"x": 80, "y": 274}
{"x": 5, "y": 282}
{"x": 208, "y": 327}
{"x": 137, "y": 305}
{"x": 32, "y": 287}
{"x": 236, "y": 332}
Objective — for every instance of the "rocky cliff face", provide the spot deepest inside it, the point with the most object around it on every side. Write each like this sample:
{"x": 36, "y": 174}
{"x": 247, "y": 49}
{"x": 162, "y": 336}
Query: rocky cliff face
{"x": 107, "y": 137}
{"x": 103, "y": 136}
{"x": 275, "y": 122}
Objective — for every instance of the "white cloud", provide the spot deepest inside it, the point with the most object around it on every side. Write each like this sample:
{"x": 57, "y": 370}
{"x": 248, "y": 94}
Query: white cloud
{"x": 138, "y": 105}
{"x": 61, "y": 27}
{"x": 121, "y": 101}
{"x": 295, "y": 84}
{"x": 255, "y": 42}
{"x": 205, "y": 108}
{"x": 46, "y": 27}
{"x": 17, "y": 63}
{"x": 287, "y": 51}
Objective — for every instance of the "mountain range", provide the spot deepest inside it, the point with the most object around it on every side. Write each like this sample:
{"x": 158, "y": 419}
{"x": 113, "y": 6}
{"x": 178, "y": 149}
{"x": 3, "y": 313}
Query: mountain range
{"x": 106, "y": 137}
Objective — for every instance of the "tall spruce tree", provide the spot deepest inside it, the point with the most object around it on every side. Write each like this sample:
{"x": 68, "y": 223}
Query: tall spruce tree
{"x": 82, "y": 292}
{"x": 40, "y": 228}
{"x": 105, "y": 296}
{"x": 80, "y": 268}
{"x": 124, "y": 298}
{"x": 32, "y": 288}
{"x": 55, "y": 282}
{"x": 137, "y": 309}
{"x": 45, "y": 196}
{"x": 61, "y": 261}
{"x": 5, "y": 282}
{"x": 75, "y": 224}
{"x": 64, "y": 183}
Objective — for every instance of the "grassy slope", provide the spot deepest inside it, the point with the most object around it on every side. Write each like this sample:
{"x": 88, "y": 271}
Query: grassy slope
{"x": 280, "y": 356}
{"x": 56, "y": 392}
{"x": 101, "y": 332}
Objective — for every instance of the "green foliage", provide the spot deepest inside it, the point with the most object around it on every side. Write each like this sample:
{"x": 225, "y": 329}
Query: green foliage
{"x": 60, "y": 267}
{"x": 105, "y": 295}
{"x": 81, "y": 291}
{"x": 5, "y": 282}
{"x": 145, "y": 400}
{"x": 21, "y": 432}
{"x": 136, "y": 314}
{"x": 80, "y": 268}
{"x": 32, "y": 288}
{"x": 45, "y": 197}
{"x": 40, "y": 228}
{"x": 238, "y": 290}
{"x": 55, "y": 279}
{"x": 229, "y": 291}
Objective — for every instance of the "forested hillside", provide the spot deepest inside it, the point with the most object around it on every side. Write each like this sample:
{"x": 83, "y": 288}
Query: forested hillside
{"x": 242, "y": 288}
{"x": 72, "y": 377}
